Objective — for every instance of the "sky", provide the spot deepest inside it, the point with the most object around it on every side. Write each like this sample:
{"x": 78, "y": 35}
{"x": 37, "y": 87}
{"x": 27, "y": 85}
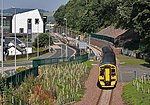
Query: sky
{"x": 49, "y": 5}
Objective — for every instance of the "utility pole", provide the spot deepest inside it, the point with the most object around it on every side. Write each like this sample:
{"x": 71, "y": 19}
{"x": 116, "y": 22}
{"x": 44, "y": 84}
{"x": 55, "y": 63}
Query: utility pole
{"x": 49, "y": 36}
{"x": 89, "y": 40}
{"x": 66, "y": 38}
{"x": 15, "y": 34}
{"x": 37, "y": 23}
{"x": 61, "y": 51}
{"x": 2, "y": 39}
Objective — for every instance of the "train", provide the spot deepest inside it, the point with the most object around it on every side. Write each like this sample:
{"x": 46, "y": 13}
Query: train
{"x": 107, "y": 71}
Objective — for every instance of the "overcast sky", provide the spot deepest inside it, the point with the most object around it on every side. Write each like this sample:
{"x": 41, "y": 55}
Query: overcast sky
{"x": 50, "y": 5}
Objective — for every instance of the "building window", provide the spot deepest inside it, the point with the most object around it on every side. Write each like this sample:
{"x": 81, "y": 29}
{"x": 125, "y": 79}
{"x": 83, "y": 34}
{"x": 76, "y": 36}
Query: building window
{"x": 36, "y": 21}
{"x": 21, "y": 30}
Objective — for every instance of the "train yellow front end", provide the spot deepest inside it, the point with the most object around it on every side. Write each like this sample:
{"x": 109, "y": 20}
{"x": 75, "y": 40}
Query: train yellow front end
{"x": 107, "y": 76}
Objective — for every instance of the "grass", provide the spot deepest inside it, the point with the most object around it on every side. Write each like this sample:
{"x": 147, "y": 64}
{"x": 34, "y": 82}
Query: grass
{"x": 89, "y": 64}
{"x": 133, "y": 97}
{"x": 21, "y": 59}
{"x": 130, "y": 60}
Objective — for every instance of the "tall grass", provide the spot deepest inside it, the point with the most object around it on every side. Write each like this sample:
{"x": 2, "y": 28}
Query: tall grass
{"x": 56, "y": 84}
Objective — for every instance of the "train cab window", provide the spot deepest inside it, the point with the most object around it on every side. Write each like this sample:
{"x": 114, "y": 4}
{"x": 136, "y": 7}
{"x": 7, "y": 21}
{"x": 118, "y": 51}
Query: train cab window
{"x": 102, "y": 72}
{"x": 113, "y": 72}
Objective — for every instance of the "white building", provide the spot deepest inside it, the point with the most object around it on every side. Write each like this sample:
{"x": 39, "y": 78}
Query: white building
{"x": 22, "y": 20}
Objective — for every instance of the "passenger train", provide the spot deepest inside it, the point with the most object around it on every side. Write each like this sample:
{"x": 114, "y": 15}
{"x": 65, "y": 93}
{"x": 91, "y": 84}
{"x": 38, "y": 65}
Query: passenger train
{"x": 107, "y": 71}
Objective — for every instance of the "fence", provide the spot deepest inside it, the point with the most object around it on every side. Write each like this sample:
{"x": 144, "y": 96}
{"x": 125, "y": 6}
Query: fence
{"x": 103, "y": 37}
{"x": 145, "y": 56}
{"x": 19, "y": 77}
{"x": 39, "y": 62}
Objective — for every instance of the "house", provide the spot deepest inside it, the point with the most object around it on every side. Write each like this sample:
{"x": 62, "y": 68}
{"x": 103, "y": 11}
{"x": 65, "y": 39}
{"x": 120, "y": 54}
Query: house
{"x": 21, "y": 48}
{"x": 26, "y": 22}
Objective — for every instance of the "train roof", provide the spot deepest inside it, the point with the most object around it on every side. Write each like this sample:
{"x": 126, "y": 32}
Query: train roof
{"x": 107, "y": 49}
{"x": 108, "y": 56}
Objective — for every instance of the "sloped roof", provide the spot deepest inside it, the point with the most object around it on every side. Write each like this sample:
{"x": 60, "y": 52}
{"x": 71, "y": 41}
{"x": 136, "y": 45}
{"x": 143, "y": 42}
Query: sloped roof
{"x": 12, "y": 39}
{"x": 111, "y": 32}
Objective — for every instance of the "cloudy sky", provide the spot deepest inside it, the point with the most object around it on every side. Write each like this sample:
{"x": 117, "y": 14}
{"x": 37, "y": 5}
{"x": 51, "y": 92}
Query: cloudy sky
{"x": 50, "y": 5}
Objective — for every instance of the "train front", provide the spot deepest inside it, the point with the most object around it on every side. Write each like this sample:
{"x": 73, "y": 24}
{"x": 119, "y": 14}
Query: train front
{"x": 107, "y": 76}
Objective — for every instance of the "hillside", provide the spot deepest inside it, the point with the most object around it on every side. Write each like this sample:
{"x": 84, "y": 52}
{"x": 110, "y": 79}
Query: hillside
{"x": 88, "y": 16}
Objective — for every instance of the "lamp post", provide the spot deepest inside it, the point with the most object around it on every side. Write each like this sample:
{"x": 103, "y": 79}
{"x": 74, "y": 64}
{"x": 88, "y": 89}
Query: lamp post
{"x": 15, "y": 33}
{"x": 15, "y": 40}
{"x": 89, "y": 39}
{"x": 2, "y": 66}
{"x": 49, "y": 36}
{"x": 37, "y": 23}
{"x": 66, "y": 37}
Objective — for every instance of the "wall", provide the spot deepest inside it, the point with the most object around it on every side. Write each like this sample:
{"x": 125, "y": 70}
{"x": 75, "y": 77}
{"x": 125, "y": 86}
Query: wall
{"x": 12, "y": 51}
{"x": 21, "y": 21}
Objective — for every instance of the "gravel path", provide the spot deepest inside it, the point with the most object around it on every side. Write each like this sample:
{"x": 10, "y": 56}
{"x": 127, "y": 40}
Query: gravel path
{"x": 92, "y": 92}
{"x": 116, "y": 95}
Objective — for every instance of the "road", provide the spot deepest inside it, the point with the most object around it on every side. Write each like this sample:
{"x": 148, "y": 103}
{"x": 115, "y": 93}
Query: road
{"x": 9, "y": 67}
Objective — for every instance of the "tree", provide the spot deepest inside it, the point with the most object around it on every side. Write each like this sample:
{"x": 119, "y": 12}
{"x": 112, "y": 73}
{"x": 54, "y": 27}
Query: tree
{"x": 43, "y": 40}
{"x": 135, "y": 15}
{"x": 90, "y": 15}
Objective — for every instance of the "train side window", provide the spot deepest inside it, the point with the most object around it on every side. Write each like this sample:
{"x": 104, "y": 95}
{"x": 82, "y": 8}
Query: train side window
{"x": 102, "y": 73}
{"x": 113, "y": 72}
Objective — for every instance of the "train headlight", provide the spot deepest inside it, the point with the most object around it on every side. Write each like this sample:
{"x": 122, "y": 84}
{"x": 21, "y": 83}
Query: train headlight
{"x": 113, "y": 82}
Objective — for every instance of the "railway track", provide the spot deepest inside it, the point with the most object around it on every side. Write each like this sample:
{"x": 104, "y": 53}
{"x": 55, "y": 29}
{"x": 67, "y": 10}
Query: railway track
{"x": 105, "y": 97}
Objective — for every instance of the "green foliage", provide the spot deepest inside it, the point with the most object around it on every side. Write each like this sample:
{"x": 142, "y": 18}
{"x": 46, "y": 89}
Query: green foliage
{"x": 87, "y": 15}
{"x": 19, "y": 69}
{"x": 90, "y": 15}
{"x": 43, "y": 40}
{"x": 135, "y": 15}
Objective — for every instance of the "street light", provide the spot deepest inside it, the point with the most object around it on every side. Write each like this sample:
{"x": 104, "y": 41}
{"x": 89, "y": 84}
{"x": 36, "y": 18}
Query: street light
{"x": 2, "y": 37}
{"x": 66, "y": 37}
{"x": 89, "y": 39}
{"x": 37, "y": 23}
{"x": 15, "y": 33}
{"x": 29, "y": 32}
{"x": 49, "y": 36}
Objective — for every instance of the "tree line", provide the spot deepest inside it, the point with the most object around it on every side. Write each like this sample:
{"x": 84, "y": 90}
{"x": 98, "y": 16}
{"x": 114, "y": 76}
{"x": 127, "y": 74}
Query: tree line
{"x": 89, "y": 16}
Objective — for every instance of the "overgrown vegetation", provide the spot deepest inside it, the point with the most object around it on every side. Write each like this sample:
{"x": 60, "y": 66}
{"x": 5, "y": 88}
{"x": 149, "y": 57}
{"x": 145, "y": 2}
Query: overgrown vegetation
{"x": 91, "y": 15}
{"x": 137, "y": 92}
{"x": 56, "y": 84}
